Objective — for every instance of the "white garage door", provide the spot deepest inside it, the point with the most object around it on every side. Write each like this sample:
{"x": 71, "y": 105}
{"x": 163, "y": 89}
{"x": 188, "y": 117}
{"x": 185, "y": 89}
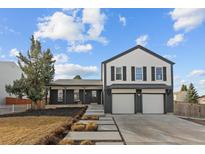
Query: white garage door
{"x": 153, "y": 103}
{"x": 123, "y": 103}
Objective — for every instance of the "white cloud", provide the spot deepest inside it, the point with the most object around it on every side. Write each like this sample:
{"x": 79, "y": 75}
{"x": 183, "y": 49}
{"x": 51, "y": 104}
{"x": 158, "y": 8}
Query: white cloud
{"x": 81, "y": 48}
{"x": 95, "y": 19}
{"x": 174, "y": 41}
{"x": 72, "y": 27}
{"x": 187, "y": 19}
{"x": 14, "y": 52}
{"x": 198, "y": 72}
{"x": 61, "y": 58}
{"x": 70, "y": 70}
{"x": 122, "y": 20}
{"x": 59, "y": 26}
{"x": 170, "y": 56}
{"x": 202, "y": 82}
{"x": 142, "y": 40}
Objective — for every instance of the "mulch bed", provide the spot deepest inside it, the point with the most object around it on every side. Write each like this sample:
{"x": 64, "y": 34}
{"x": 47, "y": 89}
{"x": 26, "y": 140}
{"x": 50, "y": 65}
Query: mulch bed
{"x": 63, "y": 111}
{"x": 202, "y": 122}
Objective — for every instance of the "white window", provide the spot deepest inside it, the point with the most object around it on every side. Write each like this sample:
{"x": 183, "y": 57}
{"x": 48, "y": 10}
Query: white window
{"x": 76, "y": 95}
{"x": 118, "y": 73}
{"x": 139, "y": 73}
{"x": 60, "y": 95}
{"x": 94, "y": 94}
{"x": 158, "y": 73}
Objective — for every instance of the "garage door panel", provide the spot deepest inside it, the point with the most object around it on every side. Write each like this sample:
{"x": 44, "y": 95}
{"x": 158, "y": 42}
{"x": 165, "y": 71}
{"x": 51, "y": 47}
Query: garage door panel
{"x": 123, "y": 103}
{"x": 153, "y": 103}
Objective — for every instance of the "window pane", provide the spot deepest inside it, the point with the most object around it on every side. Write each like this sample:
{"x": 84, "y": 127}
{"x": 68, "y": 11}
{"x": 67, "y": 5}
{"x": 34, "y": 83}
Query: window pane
{"x": 158, "y": 73}
{"x": 60, "y": 95}
{"x": 138, "y": 73}
{"x": 118, "y": 76}
{"x": 94, "y": 94}
{"x": 118, "y": 73}
{"x": 76, "y": 95}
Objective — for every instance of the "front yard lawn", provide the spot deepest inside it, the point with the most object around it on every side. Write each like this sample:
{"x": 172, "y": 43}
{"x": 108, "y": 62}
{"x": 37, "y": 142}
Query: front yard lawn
{"x": 34, "y": 127}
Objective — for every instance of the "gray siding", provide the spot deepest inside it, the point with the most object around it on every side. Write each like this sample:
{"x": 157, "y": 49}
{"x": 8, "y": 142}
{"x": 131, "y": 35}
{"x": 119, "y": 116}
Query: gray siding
{"x": 99, "y": 96}
{"x": 53, "y": 96}
{"x": 81, "y": 96}
{"x": 108, "y": 101}
{"x": 69, "y": 96}
{"x": 170, "y": 102}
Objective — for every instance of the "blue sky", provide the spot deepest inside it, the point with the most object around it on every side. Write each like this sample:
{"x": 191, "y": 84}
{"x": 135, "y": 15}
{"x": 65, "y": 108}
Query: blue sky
{"x": 81, "y": 39}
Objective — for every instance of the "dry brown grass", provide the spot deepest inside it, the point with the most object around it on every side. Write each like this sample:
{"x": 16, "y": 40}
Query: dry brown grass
{"x": 29, "y": 129}
{"x": 90, "y": 117}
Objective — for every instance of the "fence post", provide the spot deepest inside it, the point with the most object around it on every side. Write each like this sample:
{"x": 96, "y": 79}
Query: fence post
{"x": 13, "y": 108}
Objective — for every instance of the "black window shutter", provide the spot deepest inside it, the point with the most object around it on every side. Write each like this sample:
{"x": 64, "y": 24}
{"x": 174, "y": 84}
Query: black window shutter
{"x": 144, "y": 73}
{"x": 133, "y": 73}
{"x": 153, "y": 73}
{"x": 164, "y": 73}
{"x": 112, "y": 73}
{"x": 124, "y": 73}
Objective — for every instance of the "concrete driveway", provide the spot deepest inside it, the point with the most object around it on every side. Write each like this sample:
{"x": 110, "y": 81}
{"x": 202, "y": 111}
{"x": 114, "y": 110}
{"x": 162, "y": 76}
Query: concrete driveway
{"x": 159, "y": 129}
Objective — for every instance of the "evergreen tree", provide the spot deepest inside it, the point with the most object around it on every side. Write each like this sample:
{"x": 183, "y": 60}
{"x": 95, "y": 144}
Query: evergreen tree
{"x": 183, "y": 87}
{"x": 38, "y": 68}
{"x": 192, "y": 94}
{"x": 77, "y": 77}
{"x": 18, "y": 88}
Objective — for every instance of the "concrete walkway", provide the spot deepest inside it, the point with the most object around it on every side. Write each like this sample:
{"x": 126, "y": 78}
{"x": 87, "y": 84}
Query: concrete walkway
{"x": 95, "y": 109}
{"x": 107, "y": 133}
{"x": 159, "y": 129}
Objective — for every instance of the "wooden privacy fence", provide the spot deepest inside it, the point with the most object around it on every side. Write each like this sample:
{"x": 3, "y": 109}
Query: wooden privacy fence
{"x": 189, "y": 109}
{"x": 17, "y": 101}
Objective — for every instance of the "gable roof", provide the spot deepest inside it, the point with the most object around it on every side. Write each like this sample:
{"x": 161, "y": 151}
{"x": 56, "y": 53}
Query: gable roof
{"x": 139, "y": 47}
{"x": 76, "y": 82}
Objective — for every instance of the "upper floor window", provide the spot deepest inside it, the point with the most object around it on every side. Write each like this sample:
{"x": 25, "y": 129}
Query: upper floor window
{"x": 158, "y": 73}
{"x": 118, "y": 73}
{"x": 139, "y": 73}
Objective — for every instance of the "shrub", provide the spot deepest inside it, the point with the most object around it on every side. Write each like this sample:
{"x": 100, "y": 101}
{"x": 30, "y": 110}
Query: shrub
{"x": 86, "y": 142}
{"x": 91, "y": 126}
{"x": 78, "y": 127}
{"x": 90, "y": 117}
{"x": 66, "y": 142}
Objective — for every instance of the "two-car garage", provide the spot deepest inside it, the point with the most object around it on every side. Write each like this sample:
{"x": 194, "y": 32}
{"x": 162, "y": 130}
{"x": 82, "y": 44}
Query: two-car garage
{"x": 129, "y": 102}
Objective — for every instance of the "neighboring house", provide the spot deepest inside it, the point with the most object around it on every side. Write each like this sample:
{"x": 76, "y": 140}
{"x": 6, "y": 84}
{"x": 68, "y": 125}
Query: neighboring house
{"x": 180, "y": 96}
{"x": 201, "y": 99}
{"x": 9, "y": 71}
{"x": 135, "y": 81}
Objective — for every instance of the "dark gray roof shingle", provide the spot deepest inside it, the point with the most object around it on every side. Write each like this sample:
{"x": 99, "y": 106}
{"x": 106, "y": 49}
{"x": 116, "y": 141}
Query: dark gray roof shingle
{"x": 77, "y": 82}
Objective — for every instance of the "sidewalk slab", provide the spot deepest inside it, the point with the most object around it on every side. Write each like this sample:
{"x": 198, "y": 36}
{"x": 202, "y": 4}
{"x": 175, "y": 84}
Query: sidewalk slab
{"x": 94, "y": 113}
{"x": 105, "y": 118}
{"x": 107, "y": 128}
{"x": 99, "y": 122}
{"x": 109, "y": 143}
{"x": 94, "y": 136}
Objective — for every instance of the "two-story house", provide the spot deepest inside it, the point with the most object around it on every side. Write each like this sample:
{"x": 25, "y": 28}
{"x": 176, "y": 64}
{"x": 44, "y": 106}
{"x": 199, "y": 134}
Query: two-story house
{"x": 135, "y": 81}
